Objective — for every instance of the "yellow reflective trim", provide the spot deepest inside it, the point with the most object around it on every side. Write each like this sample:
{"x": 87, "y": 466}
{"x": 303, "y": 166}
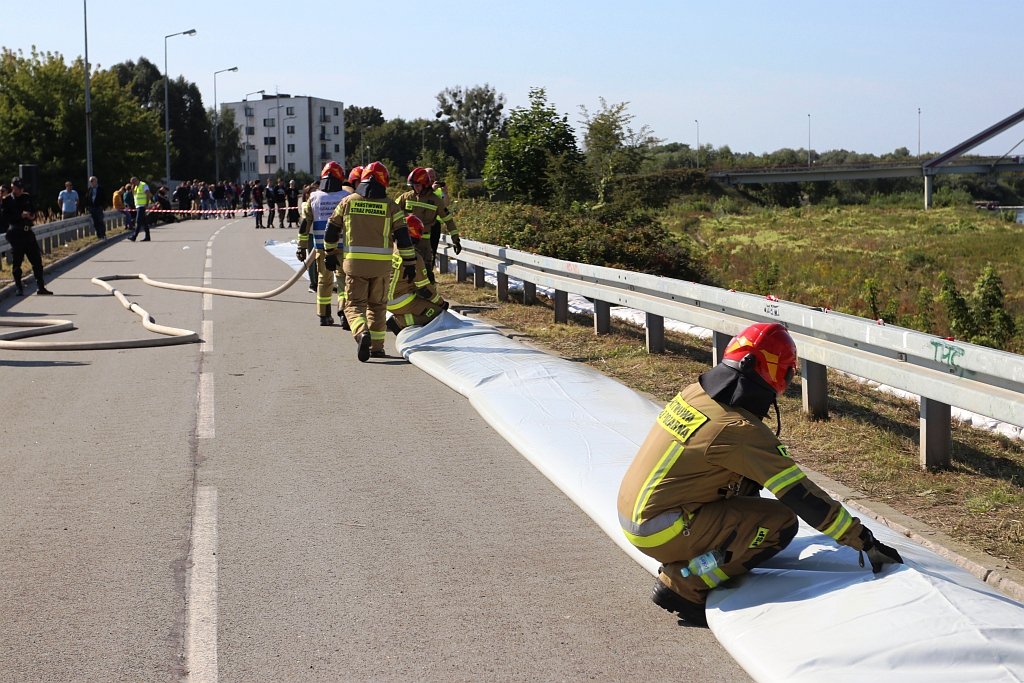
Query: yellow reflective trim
{"x": 445, "y": 219}
{"x": 323, "y": 299}
{"x": 374, "y": 334}
{"x": 668, "y": 459}
{"x": 840, "y": 526}
{"x": 354, "y": 255}
{"x": 660, "y": 538}
{"x": 680, "y": 419}
{"x": 786, "y": 477}
{"x": 410, "y": 204}
{"x": 328, "y": 246}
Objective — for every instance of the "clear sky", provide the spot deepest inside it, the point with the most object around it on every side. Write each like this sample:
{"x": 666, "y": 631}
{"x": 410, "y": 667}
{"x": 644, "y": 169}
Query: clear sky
{"x": 749, "y": 70}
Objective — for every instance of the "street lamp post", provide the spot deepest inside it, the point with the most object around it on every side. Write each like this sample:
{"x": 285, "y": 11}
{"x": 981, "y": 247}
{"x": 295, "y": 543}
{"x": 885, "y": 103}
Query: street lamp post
{"x": 216, "y": 126}
{"x": 808, "y": 141}
{"x": 88, "y": 98}
{"x": 167, "y": 110}
{"x": 698, "y": 142}
{"x": 919, "y": 132}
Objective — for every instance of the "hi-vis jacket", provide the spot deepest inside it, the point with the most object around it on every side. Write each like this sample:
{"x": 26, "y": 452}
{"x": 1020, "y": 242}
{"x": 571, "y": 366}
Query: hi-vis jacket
{"x": 412, "y": 303}
{"x": 314, "y": 216}
{"x": 700, "y": 451}
{"x": 428, "y": 207}
{"x": 368, "y": 227}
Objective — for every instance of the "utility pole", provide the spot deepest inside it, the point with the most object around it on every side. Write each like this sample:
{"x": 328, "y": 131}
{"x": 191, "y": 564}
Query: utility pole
{"x": 88, "y": 97}
{"x": 808, "y": 141}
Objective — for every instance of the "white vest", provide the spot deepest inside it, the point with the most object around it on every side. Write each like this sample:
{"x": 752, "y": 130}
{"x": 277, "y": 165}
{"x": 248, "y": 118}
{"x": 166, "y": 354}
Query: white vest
{"x": 322, "y": 205}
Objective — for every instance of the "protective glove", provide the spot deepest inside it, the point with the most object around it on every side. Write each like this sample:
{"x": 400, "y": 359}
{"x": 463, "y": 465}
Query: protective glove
{"x": 424, "y": 293}
{"x": 879, "y": 554}
{"x": 457, "y": 244}
{"x": 331, "y": 262}
{"x": 409, "y": 272}
{"x": 300, "y": 254}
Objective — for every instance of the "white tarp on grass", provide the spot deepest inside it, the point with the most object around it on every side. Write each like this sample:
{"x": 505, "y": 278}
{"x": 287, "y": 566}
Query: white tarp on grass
{"x": 811, "y": 614}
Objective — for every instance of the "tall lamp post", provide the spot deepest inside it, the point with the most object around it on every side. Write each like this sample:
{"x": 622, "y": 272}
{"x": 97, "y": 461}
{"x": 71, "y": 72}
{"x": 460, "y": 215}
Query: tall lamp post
{"x": 167, "y": 111}
{"x": 216, "y": 126}
{"x": 88, "y": 98}
{"x": 808, "y": 141}
{"x": 919, "y": 132}
{"x": 284, "y": 159}
{"x": 698, "y": 142}
{"x": 245, "y": 110}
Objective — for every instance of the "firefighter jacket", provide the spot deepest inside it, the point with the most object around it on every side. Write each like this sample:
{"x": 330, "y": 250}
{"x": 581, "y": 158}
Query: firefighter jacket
{"x": 416, "y": 302}
{"x": 366, "y": 228}
{"x": 315, "y": 214}
{"x": 700, "y": 451}
{"x": 428, "y": 207}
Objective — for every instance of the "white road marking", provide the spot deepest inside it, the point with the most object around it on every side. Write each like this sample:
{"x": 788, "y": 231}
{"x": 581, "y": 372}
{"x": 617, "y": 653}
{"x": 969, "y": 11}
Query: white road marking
{"x": 204, "y": 412}
{"x": 207, "y": 302}
{"x": 207, "y": 336}
{"x": 201, "y": 622}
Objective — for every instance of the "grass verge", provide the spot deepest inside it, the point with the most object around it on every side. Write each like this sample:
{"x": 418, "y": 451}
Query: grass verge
{"x": 869, "y": 442}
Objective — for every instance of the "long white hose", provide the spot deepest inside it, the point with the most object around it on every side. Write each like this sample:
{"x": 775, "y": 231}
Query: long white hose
{"x": 171, "y": 335}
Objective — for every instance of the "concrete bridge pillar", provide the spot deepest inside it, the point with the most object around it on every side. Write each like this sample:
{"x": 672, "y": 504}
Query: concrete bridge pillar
{"x": 929, "y": 187}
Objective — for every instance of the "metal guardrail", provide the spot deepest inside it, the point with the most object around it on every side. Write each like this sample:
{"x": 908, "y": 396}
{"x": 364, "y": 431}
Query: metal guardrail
{"x": 943, "y": 372}
{"x": 51, "y": 235}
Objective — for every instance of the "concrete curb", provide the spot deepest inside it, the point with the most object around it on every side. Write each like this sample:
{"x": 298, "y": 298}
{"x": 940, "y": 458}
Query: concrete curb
{"x": 993, "y": 571}
{"x": 70, "y": 259}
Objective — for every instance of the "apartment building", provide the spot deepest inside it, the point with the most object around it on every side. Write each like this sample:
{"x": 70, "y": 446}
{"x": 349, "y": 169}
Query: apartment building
{"x": 281, "y": 132}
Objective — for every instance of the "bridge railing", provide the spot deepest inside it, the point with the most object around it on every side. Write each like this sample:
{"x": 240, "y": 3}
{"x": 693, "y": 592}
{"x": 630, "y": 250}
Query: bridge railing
{"x": 942, "y": 372}
{"x": 52, "y": 235}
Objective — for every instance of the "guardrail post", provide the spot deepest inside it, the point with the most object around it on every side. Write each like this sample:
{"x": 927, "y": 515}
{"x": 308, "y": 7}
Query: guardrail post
{"x": 655, "y": 325}
{"x": 561, "y": 306}
{"x": 442, "y": 262}
{"x": 936, "y": 433}
{"x": 502, "y": 286}
{"x": 460, "y": 271}
{"x": 478, "y": 276}
{"x": 719, "y": 340}
{"x": 46, "y": 245}
{"x": 814, "y": 387}
{"x": 529, "y": 293}
{"x": 602, "y": 317}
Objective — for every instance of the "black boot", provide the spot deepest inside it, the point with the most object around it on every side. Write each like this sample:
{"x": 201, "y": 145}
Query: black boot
{"x": 392, "y": 325}
{"x": 363, "y": 350}
{"x": 670, "y": 601}
{"x": 44, "y": 291}
{"x": 326, "y": 321}
{"x": 19, "y": 287}
{"x": 344, "y": 321}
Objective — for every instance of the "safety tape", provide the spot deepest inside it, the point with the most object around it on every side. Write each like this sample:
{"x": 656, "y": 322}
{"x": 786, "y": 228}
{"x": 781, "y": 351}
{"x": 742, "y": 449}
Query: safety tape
{"x": 244, "y": 212}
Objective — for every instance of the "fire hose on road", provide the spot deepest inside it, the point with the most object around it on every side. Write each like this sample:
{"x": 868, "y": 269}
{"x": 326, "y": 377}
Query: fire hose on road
{"x": 170, "y": 335}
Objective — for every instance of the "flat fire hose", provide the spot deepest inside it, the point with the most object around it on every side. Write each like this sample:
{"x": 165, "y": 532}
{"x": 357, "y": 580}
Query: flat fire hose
{"x": 171, "y": 335}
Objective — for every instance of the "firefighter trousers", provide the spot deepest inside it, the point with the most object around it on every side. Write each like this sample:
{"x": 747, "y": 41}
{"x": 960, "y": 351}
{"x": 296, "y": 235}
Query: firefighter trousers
{"x": 366, "y": 307}
{"x": 325, "y": 287}
{"x": 749, "y": 530}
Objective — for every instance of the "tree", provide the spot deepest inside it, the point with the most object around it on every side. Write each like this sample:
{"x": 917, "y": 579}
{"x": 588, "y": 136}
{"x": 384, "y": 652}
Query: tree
{"x": 359, "y": 122}
{"x": 473, "y": 114}
{"x": 229, "y": 144}
{"x": 981, "y": 318}
{"x": 42, "y": 121}
{"x": 536, "y": 139}
{"x": 611, "y": 145}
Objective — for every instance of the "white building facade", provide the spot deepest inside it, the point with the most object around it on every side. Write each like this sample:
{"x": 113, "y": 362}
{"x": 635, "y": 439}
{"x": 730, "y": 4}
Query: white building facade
{"x": 290, "y": 134}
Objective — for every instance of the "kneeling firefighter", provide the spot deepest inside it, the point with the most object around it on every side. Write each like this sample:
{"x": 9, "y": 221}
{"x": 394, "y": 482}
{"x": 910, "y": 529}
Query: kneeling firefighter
{"x": 693, "y": 487}
{"x": 416, "y": 302}
{"x": 322, "y": 203}
{"x": 371, "y": 222}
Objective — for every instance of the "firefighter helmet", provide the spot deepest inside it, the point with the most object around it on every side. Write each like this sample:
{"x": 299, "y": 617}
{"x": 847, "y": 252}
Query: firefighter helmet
{"x": 378, "y": 171}
{"x": 355, "y": 175}
{"x": 415, "y": 225}
{"x": 419, "y": 175}
{"x": 332, "y": 169}
{"x": 766, "y": 350}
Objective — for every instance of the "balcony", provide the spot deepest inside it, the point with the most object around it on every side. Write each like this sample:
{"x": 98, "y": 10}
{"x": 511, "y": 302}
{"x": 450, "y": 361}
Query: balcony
{"x": 325, "y": 118}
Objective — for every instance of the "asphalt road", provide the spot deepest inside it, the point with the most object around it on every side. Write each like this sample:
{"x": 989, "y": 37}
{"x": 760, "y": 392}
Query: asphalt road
{"x": 263, "y": 507}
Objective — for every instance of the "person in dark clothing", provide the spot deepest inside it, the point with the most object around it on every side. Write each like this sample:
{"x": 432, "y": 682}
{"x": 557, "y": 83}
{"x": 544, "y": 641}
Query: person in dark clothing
{"x": 95, "y": 202}
{"x": 292, "y": 197}
{"x": 183, "y": 195}
{"x": 271, "y": 198}
{"x": 257, "y": 202}
{"x": 19, "y": 213}
{"x": 281, "y": 199}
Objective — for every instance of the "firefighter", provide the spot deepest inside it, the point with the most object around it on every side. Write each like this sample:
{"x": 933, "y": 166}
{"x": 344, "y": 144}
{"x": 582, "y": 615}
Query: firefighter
{"x": 441, "y": 192}
{"x": 416, "y": 302}
{"x": 322, "y": 203}
{"x": 370, "y": 222}
{"x": 428, "y": 207}
{"x": 693, "y": 485}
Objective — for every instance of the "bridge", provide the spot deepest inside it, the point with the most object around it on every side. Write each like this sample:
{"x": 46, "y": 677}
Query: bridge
{"x": 947, "y": 163}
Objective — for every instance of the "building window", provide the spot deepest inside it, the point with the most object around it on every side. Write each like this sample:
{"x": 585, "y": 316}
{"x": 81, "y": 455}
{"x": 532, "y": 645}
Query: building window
{"x": 335, "y": 130}
{"x": 270, "y": 141}
{"x": 290, "y": 111}
{"x": 291, "y": 166}
{"x": 291, "y": 130}
{"x": 270, "y": 159}
{"x": 291, "y": 148}
{"x": 323, "y": 149}
{"x": 337, "y": 148}
{"x": 269, "y": 123}
{"x": 335, "y": 111}
{"x": 249, "y": 111}
{"x": 250, "y": 130}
